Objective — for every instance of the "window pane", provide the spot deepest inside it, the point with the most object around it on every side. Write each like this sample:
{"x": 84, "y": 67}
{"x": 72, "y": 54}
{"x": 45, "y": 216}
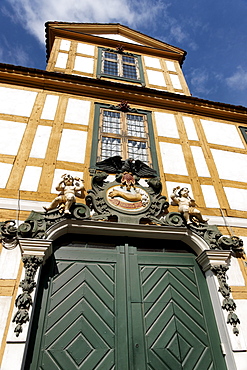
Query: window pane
{"x": 128, "y": 59}
{"x": 138, "y": 150}
{"x": 111, "y": 122}
{"x": 110, "y": 55}
{"x": 111, "y": 68}
{"x": 136, "y": 125}
{"x": 129, "y": 71}
{"x": 110, "y": 147}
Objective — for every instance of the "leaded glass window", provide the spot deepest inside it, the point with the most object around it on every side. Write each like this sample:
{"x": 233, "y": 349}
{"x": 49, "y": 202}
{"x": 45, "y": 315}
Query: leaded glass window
{"x": 120, "y": 65}
{"x": 124, "y": 134}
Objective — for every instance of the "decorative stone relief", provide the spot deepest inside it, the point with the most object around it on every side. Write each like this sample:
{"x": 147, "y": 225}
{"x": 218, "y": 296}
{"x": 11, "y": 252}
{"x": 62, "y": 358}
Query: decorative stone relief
{"x": 24, "y": 300}
{"x": 195, "y": 221}
{"x": 37, "y": 223}
{"x": 228, "y": 303}
{"x": 125, "y": 199}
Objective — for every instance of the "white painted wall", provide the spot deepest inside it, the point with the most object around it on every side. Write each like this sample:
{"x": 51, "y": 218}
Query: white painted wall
{"x": 61, "y": 61}
{"x": 241, "y": 360}
{"x": 200, "y": 162}
{"x": 40, "y": 142}
{"x": 166, "y": 124}
{"x": 235, "y": 276}
{"x": 237, "y": 198}
{"x": 77, "y": 111}
{"x": 173, "y": 159}
{"x": 190, "y": 128}
{"x": 12, "y": 358}
{"x": 50, "y": 107}
{"x": 244, "y": 238}
{"x": 175, "y": 82}
{"x": 152, "y": 62}
{"x": 210, "y": 196}
{"x": 58, "y": 176}
{"x": 72, "y": 146}
{"x": 9, "y": 263}
{"x": 230, "y": 165}
{"x": 65, "y": 45}
{"x": 222, "y": 133}
{"x": 85, "y": 49}
{"x": 30, "y": 179}
{"x": 170, "y": 66}
{"x": 5, "y": 169}
{"x": 4, "y": 309}
{"x": 119, "y": 38}
{"x": 16, "y": 101}
{"x": 11, "y": 136}
{"x": 156, "y": 78}
{"x": 84, "y": 64}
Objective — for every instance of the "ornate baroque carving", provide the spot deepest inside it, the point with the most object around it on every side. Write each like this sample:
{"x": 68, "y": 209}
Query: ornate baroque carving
{"x": 124, "y": 198}
{"x": 37, "y": 223}
{"x": 228, "y": 303}
{"x": 212, "y": 235}
{"x": 24, "y": 300}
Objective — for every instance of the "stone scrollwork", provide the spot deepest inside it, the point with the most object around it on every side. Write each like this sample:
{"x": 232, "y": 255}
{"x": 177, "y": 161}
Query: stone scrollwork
{"x": 24, "y": 300}
{"x": 125, "y": 199}
{"x": 37, "y": 224}
{"x": 214, "y": 238}
{"x": 173, "y": 219}
{"x": 228, "y": 303}
{"x": 8, "y": 234}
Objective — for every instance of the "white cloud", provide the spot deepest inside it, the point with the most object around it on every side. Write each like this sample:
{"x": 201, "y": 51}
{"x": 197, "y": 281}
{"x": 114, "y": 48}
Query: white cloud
{"x": 32, "y": 14}
{"x": 238, "y": 80}
{"x": 199, "y": 79}
{"x": 177, "y": 33}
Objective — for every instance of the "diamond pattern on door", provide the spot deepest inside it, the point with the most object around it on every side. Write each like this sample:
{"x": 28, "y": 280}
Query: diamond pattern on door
{"x": 80, "y": 325}
{"x": 174, "y": 323}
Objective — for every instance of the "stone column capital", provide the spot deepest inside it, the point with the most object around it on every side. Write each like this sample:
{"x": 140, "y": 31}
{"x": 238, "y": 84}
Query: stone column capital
{"x": 212, "y": 257}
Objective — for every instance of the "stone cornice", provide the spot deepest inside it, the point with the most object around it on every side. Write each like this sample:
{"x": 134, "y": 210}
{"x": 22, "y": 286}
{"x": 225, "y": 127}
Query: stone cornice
{"x": 102, "y": 89}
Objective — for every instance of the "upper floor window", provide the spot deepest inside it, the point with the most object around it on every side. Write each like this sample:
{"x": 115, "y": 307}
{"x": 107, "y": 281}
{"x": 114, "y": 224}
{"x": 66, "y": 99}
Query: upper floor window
{"x": 126, "y": 134}
{"x": 120, "y": 65}
{"x": 244, "y": 132}
{"x": 123, "y": 134}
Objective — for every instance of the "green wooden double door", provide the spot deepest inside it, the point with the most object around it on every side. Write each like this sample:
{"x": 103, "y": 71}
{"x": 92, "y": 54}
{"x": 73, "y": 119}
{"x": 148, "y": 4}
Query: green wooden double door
{"x": 123, "y": 309}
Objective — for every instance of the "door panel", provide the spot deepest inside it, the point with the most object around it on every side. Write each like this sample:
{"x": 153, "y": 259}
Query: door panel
{"x": 125, "y": 310}
{"x": 175, "y": 323}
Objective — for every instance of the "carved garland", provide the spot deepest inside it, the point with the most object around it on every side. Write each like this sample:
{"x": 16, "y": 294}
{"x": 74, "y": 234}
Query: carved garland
{"x": 228, "y": 303}
{"x": 24, "y": 300}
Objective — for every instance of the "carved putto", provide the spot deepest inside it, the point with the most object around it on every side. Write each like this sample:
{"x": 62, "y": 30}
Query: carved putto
{"x": 69, "y": 188}
{"x": 186, "y": 206}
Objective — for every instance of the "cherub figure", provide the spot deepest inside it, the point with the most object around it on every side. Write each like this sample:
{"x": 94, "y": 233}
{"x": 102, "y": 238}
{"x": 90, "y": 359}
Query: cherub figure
{"x": 69, "y": 188}
{"x": 186, "y": 205}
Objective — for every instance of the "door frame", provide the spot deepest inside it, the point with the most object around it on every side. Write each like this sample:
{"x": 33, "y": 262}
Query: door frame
{"x": 205, "y": 258}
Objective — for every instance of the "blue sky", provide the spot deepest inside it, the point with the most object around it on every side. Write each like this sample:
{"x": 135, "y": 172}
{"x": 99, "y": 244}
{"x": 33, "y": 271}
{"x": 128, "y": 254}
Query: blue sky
{"x": 213, "y": 32}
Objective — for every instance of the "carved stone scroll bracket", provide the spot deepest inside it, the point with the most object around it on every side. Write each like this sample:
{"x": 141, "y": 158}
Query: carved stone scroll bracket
{"x": 33, "y": 253}
{"x": 8, "y": 233}
{"x": 218, "y": 262}
{"x": 214, "y": 238}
